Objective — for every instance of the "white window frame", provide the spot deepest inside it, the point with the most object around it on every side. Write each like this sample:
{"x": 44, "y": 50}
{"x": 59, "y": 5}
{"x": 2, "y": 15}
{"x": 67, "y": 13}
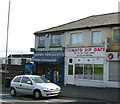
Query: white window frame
{"x": 96, "y": 38}
{"x": 76, "y": 38}
{"x": 55, "y": 40}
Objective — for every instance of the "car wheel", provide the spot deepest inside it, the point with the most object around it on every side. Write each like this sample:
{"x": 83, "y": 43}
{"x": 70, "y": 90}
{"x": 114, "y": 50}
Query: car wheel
{"x": 37, "y": 94}
{"x": 12, "y": 92}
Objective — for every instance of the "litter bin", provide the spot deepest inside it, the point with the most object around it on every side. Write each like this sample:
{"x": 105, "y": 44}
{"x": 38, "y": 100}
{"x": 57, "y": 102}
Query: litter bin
{"x": 7, "y": 81}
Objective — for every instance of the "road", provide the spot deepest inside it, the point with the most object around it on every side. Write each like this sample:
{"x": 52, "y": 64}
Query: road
{"x": 6, "y": 98}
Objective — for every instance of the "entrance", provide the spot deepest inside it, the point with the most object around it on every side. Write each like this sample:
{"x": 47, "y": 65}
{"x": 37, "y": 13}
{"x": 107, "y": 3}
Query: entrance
{"x": 52, "y": 72}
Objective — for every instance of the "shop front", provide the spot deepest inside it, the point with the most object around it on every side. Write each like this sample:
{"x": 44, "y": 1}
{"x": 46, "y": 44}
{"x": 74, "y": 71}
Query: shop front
{"x": 50, "y": 65}
{"x": 85, "y": 66}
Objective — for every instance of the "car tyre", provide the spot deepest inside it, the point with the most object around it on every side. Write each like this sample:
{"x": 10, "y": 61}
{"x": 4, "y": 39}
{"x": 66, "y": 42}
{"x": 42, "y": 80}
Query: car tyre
{"x": 37, "y": 95}
{"x": 12, "y": 92}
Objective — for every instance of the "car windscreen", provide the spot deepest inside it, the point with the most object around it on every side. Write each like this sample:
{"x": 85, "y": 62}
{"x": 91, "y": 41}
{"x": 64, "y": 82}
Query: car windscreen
{"x": 39, "y": 79}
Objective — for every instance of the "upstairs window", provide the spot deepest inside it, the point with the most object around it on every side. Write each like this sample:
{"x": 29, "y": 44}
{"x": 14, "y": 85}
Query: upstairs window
{"x": 56, "y": 40}
{"x": 41, "y": 41}
{"x": 76, "y": 38}
{"x": 96, "y": 37}
{"x": 117, "y": 36}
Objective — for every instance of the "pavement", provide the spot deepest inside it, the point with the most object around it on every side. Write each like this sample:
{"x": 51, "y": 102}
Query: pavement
{"x": 104, "y": 94}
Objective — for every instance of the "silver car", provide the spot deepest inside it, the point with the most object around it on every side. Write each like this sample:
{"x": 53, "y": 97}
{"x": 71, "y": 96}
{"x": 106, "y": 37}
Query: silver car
{"x": 33, "y": 85}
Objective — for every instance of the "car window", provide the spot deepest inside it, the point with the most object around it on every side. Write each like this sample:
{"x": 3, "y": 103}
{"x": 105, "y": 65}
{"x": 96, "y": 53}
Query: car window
{"x": 25, "y": 80}
{"x": 39, "y": 80}
{"x": 17, "y": 79}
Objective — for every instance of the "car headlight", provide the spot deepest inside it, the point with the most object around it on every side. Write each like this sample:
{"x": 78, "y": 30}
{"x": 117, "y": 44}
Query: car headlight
{"x": 46, "y": 89}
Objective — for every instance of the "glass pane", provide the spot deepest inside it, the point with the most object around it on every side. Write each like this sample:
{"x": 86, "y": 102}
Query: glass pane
{"x": 70, "y": 70}
{"x": 74, "y": 39}
{"x": 98, "y": 72}
{"x": 88, "y": 71}
{"x": 78, "y": 71}
{"x": 79, "y": 37}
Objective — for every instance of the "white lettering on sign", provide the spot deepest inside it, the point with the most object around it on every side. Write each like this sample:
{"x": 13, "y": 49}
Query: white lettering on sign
{"x": 92, "y": 51}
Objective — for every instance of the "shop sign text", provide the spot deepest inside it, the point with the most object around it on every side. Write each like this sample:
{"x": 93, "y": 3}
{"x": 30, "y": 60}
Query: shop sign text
{"x": 98, "y": 51}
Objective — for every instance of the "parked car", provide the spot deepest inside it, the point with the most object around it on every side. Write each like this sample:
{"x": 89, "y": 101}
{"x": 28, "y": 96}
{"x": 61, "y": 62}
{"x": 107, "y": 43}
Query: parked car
{"x": 34, "y": 85}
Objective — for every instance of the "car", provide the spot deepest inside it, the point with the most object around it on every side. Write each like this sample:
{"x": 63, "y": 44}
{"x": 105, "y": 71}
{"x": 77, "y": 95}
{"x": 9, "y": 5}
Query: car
{"x": 35, "y": 85}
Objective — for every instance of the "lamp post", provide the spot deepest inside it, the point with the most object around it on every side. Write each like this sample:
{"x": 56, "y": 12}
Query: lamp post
{"x": 7, "y": 39}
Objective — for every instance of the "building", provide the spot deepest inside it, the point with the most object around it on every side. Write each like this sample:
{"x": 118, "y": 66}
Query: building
{"x": 18, "y": 64}
{"x": 87, "y": 44}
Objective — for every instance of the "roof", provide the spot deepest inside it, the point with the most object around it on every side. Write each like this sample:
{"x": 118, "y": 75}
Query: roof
{"x": 88, "y": 22}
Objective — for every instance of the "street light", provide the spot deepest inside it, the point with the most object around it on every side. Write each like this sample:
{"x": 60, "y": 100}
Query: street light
{"x": 7, "y": 38}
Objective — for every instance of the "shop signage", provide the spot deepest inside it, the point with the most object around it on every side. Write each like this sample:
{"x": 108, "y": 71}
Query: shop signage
{"x": 48, "y": 57}
{"x": 49, "y": 54}
{"x": 113, "y": 56}
{"x": 91, "y": 51}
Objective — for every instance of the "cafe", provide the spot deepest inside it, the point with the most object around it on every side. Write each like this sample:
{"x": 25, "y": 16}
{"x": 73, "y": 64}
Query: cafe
{"x": 85, "y": 66}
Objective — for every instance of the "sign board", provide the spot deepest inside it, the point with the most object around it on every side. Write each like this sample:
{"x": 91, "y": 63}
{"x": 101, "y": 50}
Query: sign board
{"x": 86, "y": 52}
{"x": 113, "y": 56}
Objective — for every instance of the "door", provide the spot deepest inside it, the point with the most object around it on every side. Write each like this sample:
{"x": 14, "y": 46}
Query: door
{"x": 26, "y": 88}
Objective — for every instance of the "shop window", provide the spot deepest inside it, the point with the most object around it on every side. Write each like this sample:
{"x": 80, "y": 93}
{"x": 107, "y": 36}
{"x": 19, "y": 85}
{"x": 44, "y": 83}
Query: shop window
{"x": 117, "y": 36}
{"x": 56, "y": 40}
{"x": 78, "y": 71}
{"x": 98, "y": 72}
{"x": 88, "y": 71}
{"x": 70, "y": 70}
{"x": 76, "y": 38}
{"x": 41, "y": 41}
{"x": 96, "y": 37}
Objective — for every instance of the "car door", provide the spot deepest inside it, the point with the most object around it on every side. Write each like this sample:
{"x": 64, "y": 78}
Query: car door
{"x": 26, "y": 88}
{"x": 16, "y": 84}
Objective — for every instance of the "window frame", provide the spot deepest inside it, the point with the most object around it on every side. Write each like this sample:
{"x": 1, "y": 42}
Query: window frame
{"x": 58, "y": 39}
{"x": 98, "y": 37}
{"x": 77, "y": 39}
{"x": 116, "y": 37}
{"x": 41, "y": 38}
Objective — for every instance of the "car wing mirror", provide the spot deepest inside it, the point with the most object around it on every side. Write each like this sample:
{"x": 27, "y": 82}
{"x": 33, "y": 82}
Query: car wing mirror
{"x": 29, "y": 82}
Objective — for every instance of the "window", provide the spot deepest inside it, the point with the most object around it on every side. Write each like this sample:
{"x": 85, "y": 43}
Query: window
{"x": 89, "y": 71}
{"x": 56, "y": 40}
{"x": 70, "y": 70}
{"x": 117, "y": 36}
{"x": 17, "y": 79}
{"x": 76, "y": 38}
{"x": 41, "y": 41}
{"x": 16, "y": 61}
{"x": 79, "y": 71}
{"x": 98, "y": 72}
{"x": 96, "y": 37}
{"x": 25, "y": 80}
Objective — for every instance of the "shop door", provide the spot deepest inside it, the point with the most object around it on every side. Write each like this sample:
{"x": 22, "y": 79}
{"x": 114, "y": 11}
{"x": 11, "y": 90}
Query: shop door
{"x": 48, "y": 71}
{"x": 53, "y": 72}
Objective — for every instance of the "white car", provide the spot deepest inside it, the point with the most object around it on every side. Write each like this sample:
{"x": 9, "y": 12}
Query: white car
{"x": 33, "y": 85}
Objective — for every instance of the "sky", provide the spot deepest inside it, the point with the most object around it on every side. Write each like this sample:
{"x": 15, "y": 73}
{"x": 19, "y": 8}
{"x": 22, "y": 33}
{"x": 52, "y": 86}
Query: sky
{"x": 29, "y": 16}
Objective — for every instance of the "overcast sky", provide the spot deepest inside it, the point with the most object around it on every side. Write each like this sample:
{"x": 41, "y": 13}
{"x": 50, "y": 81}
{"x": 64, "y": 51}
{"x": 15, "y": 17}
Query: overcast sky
{"x": 29, "y": 16}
